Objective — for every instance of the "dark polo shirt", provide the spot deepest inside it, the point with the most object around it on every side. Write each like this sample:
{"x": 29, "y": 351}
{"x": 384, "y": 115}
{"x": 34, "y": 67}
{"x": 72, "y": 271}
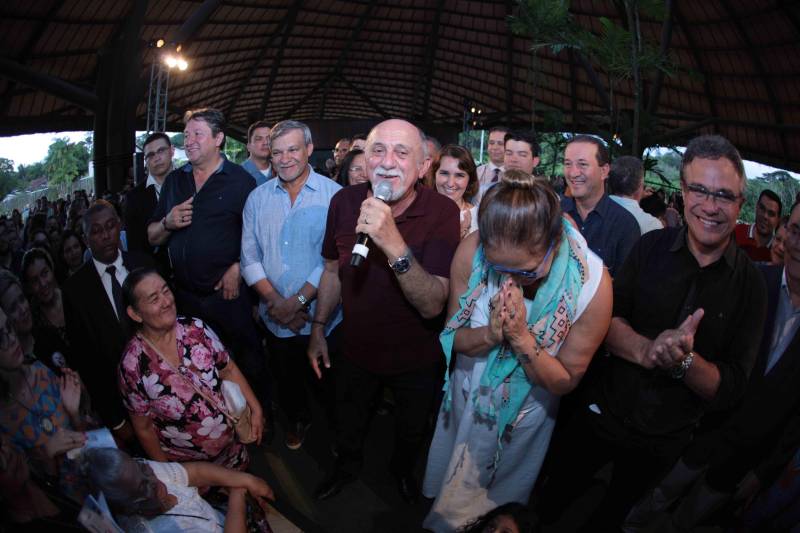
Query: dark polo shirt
{"x": 382, "y": 332}
{"x": 659, "y": 285}
{"x": 609, "y": 229}
{"x": 201, "y": 252}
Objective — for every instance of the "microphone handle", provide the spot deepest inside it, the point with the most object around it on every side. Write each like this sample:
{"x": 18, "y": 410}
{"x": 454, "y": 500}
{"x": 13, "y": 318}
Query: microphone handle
{"x": 360, "y": 250}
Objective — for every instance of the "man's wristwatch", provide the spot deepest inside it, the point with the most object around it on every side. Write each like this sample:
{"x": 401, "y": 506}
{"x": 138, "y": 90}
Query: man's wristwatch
{"x": 402, "y": 264}
{"x": 303, "y": 300}
{"x": 679, "y": 370}
{"x": 164, "y": 224}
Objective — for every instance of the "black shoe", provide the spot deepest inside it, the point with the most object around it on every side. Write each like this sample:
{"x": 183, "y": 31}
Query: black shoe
{"x": 408, "y": 488}
{"x": 333, "y": 484}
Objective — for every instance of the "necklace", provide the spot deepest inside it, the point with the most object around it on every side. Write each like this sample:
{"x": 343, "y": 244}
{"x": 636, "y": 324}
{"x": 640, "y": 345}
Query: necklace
{"x": 45, "y": 422}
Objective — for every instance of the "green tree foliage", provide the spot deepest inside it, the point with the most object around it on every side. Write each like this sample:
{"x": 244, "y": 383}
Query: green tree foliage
{"x": 28, "y": 173}
{"x": 234, "y": 150}
{"x": 8, "y": 177}
{"x": 66, "y": 161}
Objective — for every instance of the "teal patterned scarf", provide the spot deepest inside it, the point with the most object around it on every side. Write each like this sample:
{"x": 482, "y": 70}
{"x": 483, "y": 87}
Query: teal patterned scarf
{"x": 550, "y": 319}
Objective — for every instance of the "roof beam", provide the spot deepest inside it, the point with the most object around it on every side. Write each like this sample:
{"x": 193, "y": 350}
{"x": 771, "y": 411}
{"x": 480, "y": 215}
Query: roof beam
{"x": 760, "y": 70}
{"x": 426, "y": 73}
{"x": 666, "y": 39}
{"x": 311, "y": 92}
{"x": 697, "y": 59}
{"x": 364, "y": 96}
{"x": 49, "y": 84}
{"x": 344, "y": 55}
{"x": 276, "y": 63}
{"x": 193, "y": 24}
{"x": 269, "y": 41}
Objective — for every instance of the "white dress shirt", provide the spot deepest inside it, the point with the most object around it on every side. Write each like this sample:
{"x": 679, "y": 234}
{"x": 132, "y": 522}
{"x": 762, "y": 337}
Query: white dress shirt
{"x": 486, "y": 172}
{"x": 121, "y": 274}
{"x": 156, "y": 185}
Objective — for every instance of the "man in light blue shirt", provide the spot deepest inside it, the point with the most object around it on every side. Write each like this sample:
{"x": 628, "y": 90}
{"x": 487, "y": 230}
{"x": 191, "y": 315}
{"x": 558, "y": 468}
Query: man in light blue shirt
{"x": 258, "y": 163}
{"x": 283, "y": 227}
{"x": 626, "y": 187}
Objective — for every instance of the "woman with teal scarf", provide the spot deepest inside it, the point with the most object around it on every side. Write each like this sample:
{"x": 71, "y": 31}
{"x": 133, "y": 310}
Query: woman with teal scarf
{"x": 529, "y": 306}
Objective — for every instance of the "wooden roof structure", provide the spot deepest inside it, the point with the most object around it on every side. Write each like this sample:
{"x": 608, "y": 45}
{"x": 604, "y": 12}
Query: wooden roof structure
{"x": 344, "y": 60}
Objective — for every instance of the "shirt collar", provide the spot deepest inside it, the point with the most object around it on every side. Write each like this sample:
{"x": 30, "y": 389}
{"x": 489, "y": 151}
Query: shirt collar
{"x": 312, "y": 182}
{"x": 101, "y": 267}
{"x": 188, "y": 166}
{"x": 152, "y": 181}
{"x": 680, "y": 242}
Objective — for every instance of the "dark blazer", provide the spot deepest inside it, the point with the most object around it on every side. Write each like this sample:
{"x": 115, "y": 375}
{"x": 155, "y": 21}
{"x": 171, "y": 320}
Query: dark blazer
{"x": 140, "y": 202}
{"x": 97, "y": 338}
{"x": 763, "y": 431}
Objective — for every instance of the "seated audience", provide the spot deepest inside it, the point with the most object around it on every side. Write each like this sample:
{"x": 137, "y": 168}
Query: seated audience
{"x": 40, "y": 412}
{"x": 49, "y": 324}
{"x": 23, "y": 500}
{"x": 455, "y": 177}
{"x": 163, "y": 497}
{"x": 755, "y": 239}
{"x": 95, "y": 317}
{"x": 354, "y": 169}
{"x": 530, "y": 304}
{"x": 170, "y": 379}
{"x": 70, "y": 255}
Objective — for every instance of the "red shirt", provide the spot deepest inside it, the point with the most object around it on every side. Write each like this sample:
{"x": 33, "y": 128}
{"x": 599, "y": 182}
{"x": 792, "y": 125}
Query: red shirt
{"x": 745, "y": 238}
{"x": 382, "y": 332}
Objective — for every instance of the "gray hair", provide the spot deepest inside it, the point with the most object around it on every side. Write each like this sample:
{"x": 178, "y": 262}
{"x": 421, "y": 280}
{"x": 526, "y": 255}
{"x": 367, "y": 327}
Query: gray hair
{"x": 103, "y": 469}
{"x": 713, "y": 147}
{"x": 285, "y": 126}
{"x": 626, "y": 175}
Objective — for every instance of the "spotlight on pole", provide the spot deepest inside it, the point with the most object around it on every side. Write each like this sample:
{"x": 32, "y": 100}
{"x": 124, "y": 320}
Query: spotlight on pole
{"x": 170, "y": 61}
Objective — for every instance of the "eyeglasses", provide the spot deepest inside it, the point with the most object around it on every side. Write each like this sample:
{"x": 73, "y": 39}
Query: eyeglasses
{"x": 698, "y": 193}
{"x": 529, "y": 275}
{"x": 160, "y": 152}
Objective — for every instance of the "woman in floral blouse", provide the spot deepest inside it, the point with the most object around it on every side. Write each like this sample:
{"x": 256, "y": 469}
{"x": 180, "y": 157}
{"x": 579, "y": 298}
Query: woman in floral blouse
{"x": 164, "y": 365}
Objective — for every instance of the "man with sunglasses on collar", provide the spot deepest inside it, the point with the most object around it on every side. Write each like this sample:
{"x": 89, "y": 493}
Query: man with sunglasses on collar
{"x": 689, "y": 308}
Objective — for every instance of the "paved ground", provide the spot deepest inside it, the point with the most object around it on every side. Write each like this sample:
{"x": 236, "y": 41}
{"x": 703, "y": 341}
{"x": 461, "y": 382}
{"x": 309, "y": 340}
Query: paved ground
{"x": 370, "y": 504}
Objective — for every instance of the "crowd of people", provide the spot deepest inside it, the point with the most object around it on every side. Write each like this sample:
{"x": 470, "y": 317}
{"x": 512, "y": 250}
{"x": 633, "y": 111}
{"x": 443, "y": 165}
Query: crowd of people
{"x": 525, "y": 335}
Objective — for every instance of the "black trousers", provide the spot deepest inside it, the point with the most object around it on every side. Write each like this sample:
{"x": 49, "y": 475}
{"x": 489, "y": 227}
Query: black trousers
{"x": 295, "y": 378}
{"x": 414, "y": 393}
{"x": 233, "y": 321}
{"x": 587, "y": 442}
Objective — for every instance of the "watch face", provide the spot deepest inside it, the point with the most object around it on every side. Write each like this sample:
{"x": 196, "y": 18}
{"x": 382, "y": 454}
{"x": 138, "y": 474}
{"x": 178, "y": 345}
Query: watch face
{"x": 401, "y": 265}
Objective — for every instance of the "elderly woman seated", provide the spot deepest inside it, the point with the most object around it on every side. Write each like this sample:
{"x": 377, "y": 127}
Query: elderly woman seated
{"x": 170, "y": 380}
{"x": 153, "y": 496}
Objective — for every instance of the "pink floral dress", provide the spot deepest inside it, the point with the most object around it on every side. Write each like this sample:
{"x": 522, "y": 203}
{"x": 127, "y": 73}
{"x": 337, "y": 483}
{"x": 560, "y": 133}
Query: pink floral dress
{"x": 189, "y": 427}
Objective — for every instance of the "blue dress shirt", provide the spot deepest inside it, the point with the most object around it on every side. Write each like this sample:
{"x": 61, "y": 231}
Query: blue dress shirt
{"x": 282, "y": 242}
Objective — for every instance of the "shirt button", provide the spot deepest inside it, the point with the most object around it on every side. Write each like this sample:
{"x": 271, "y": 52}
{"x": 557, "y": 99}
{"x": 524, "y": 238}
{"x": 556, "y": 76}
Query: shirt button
{"x": 286, "y": 243}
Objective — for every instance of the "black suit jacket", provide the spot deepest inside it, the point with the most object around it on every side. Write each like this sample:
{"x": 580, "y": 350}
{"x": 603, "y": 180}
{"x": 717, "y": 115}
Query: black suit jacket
{"x": 97, "y": 338}
{"x": 763, "y": 431}
{"x": 140, "y": 202}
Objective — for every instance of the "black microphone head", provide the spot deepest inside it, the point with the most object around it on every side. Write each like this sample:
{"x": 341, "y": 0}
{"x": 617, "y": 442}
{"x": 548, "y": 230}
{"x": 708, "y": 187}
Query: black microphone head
{"x": 383, "y": 191}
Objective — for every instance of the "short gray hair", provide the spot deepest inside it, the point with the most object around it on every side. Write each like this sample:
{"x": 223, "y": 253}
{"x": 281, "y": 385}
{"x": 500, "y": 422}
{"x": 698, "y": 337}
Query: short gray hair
{"x": 285, "y": 126}
{"x": 103, "y": 469}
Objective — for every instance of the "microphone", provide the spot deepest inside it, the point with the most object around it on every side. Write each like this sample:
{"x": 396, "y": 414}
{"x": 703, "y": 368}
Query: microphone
{"x": 383, "y": 191}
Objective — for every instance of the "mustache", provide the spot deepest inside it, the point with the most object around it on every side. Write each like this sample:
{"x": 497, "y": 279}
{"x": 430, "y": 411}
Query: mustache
{"x": 391, "y": 173}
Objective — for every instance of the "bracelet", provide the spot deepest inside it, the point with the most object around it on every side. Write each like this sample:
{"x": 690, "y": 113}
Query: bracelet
{"x": 320, "y": 322}
{"x": 118, "y": 426}
{"x": 164, "y": 224}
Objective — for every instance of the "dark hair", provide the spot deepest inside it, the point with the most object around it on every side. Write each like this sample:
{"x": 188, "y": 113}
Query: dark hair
{"x": 131, "y": 282}
{"x": 499, "y": 128}
{"x": 626, "y": 175}
{"x": 653, "y": 205}
{"x": 465, "y": 163}
{"x": 68, "y": 234}
{"x": 213, "y": 117}
{"x": 603, "y": 157}
{"x": 521, "y": 210}
{"x": 153, "y": 137}
{"x": 435, "y": 142}
{"x": 7, "y": 279}
{"x": 32, "y": 255}
{"x": 774, "y": 197}
{"x": 344, "y": 169}
{"x": 524, "y": 136}
{"x": 712, "y": 147}
{"x": 98, "y": 206}
{"x": 254, "y": 126}
{"x": 525, "y": 520}
{"x": 359, "y": 137}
